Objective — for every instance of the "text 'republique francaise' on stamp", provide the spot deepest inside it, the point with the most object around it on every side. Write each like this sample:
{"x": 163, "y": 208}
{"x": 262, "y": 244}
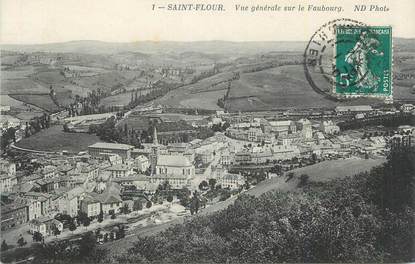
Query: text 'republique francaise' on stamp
{"x": 345, "y": 59}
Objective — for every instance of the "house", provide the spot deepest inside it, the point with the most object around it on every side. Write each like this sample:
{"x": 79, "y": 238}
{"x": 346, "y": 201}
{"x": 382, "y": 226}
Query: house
{"x": 175, "y": 165}
{"x": 40, "y": 204}
{"x": 7, "y": 167}
{"x": 75, "y": 194}
{"x": 7, "y": 182}
{"x": 100, "y": 149}
{"x": 32, "y": 178}
{"x": 91, "y": 205}
{"x": 45, "y": 226}
{"x": 120, "y": 170}
{"x": 8, "y": 121}
{"x": 110, "y": 199}
{"x": 14, "y": 214}
{"x": 406, "y": 129}
{"x": 69, "y": 203}
{"x": 261, "y": 157}
{"x": 279, "y": 128}
{"x": 114, "y": 159}
{"x": 178, "y": 148}
{"x": 243, "y": 157}
{"x": 7, "y": 175}
{"x": 85, "y": 170}
{"x": 304, "y": 125}
{"x": 205, "y": 156}
{"x": 101, "y": 181}
{"x": 407, "y": 107}
{"x": 49, "y": 184}
{"x": 289, "y": 139}
{"x": 285, "y": 152}
{"x": 253, "y": 134}
{"x": 226, "y": 158}
{"x": 63, "y": 169}
{"x": 4, "y": 108}
{"x": 176, "y": 181}
{"x": 25, "y": 187}
{"x": 141, "y": 163}
{"x": 328, "y": 127}
{"x": 139, "y": 181}
{"x": 353, "y": 109}
{"x": 49, "y": 171}
{"x": 231, "y": 181}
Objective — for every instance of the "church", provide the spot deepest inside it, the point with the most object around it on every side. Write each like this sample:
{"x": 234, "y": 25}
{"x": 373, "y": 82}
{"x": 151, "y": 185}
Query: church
{"x": 176, "y": 169}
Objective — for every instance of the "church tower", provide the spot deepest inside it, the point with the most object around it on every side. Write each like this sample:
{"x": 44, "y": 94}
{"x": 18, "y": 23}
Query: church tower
{"x": 154, "y": 152}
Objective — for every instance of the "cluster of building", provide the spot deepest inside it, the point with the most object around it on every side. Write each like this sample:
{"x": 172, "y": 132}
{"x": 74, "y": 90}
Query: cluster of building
{"x": 265, "y": 141}
{"x": 94, "y": 182}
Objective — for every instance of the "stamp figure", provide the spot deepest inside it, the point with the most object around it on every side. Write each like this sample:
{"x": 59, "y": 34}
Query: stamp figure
{"x": 363, "y": 61}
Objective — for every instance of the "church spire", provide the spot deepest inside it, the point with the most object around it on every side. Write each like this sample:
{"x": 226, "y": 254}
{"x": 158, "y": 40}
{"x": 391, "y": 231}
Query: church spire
{"x": 155, "y": 140}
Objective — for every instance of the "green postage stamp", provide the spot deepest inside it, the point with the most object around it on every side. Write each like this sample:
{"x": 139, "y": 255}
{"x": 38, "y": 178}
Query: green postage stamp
{"x": 363, "y": 61}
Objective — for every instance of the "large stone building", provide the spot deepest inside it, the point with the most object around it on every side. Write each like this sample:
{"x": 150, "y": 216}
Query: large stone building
{"x": 101, "y": 149}
{"x": 7, "y": 176}
{"x": 175, "y": 165}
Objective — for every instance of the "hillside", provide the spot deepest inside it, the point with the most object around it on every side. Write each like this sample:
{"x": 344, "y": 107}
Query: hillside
{"x": 341, "y": 220}
{"x": 99, "y": 47}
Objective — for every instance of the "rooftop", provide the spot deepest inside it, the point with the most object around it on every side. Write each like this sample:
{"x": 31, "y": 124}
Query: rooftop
{"x": 173, "y": 161}
{"x": 103, "y": 145}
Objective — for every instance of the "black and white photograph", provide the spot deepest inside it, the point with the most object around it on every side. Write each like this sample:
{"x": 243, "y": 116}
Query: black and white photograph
{"x": 214, "y": 131}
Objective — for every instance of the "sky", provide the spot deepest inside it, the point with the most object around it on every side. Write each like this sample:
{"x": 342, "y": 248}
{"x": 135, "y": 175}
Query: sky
{"x": 49, "y": 21}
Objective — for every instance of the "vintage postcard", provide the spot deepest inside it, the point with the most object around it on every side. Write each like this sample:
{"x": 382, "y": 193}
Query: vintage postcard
{"x": 214, "y": 131}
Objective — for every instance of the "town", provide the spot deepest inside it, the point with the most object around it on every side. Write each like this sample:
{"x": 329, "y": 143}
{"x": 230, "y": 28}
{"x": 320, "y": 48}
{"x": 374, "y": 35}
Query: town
{"x": 175, "y": 152}
{"x": 114, "y": 188}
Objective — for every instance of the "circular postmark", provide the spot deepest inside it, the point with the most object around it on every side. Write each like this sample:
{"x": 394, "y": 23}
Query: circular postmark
{"x": 320, "y": 56}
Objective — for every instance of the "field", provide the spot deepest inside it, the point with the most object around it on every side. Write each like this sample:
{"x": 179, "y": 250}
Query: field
{"x": 205, "y": 100}
{"x": 203, "y": 94}
{"x": 287, "y": 87}
{"x": 328, "y": 170}
{"x": 54, "y": 139}
{"x": 22, "y": 86}
{"x": 116, "y": 100}
{"x": 320, "y": 172}
{"x": 43, "y": 101}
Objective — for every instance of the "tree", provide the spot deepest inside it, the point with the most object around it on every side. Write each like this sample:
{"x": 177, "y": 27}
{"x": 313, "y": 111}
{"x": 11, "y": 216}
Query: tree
{"x": 194, "y": 203}
{"x": 170, "y": 198}
{"x": 4, "y": 246}
{"x": 87, "y": 244}
{"x": 212, "y": 183}
{"x": 21, "y": 242}
{"x": 72, "y": 226}
{"x": 37, "y": 237}
{"x": 149, "y": 204}
{"x": 100, "y": 217}
{"x": 82, "y": 216}
{"x": 203, "y": 185}
{"x": 121, "y": 231}
{"x": 113, "y": 216}
{"x": 303, "y": 180}
{"x": 86, "y": 222}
